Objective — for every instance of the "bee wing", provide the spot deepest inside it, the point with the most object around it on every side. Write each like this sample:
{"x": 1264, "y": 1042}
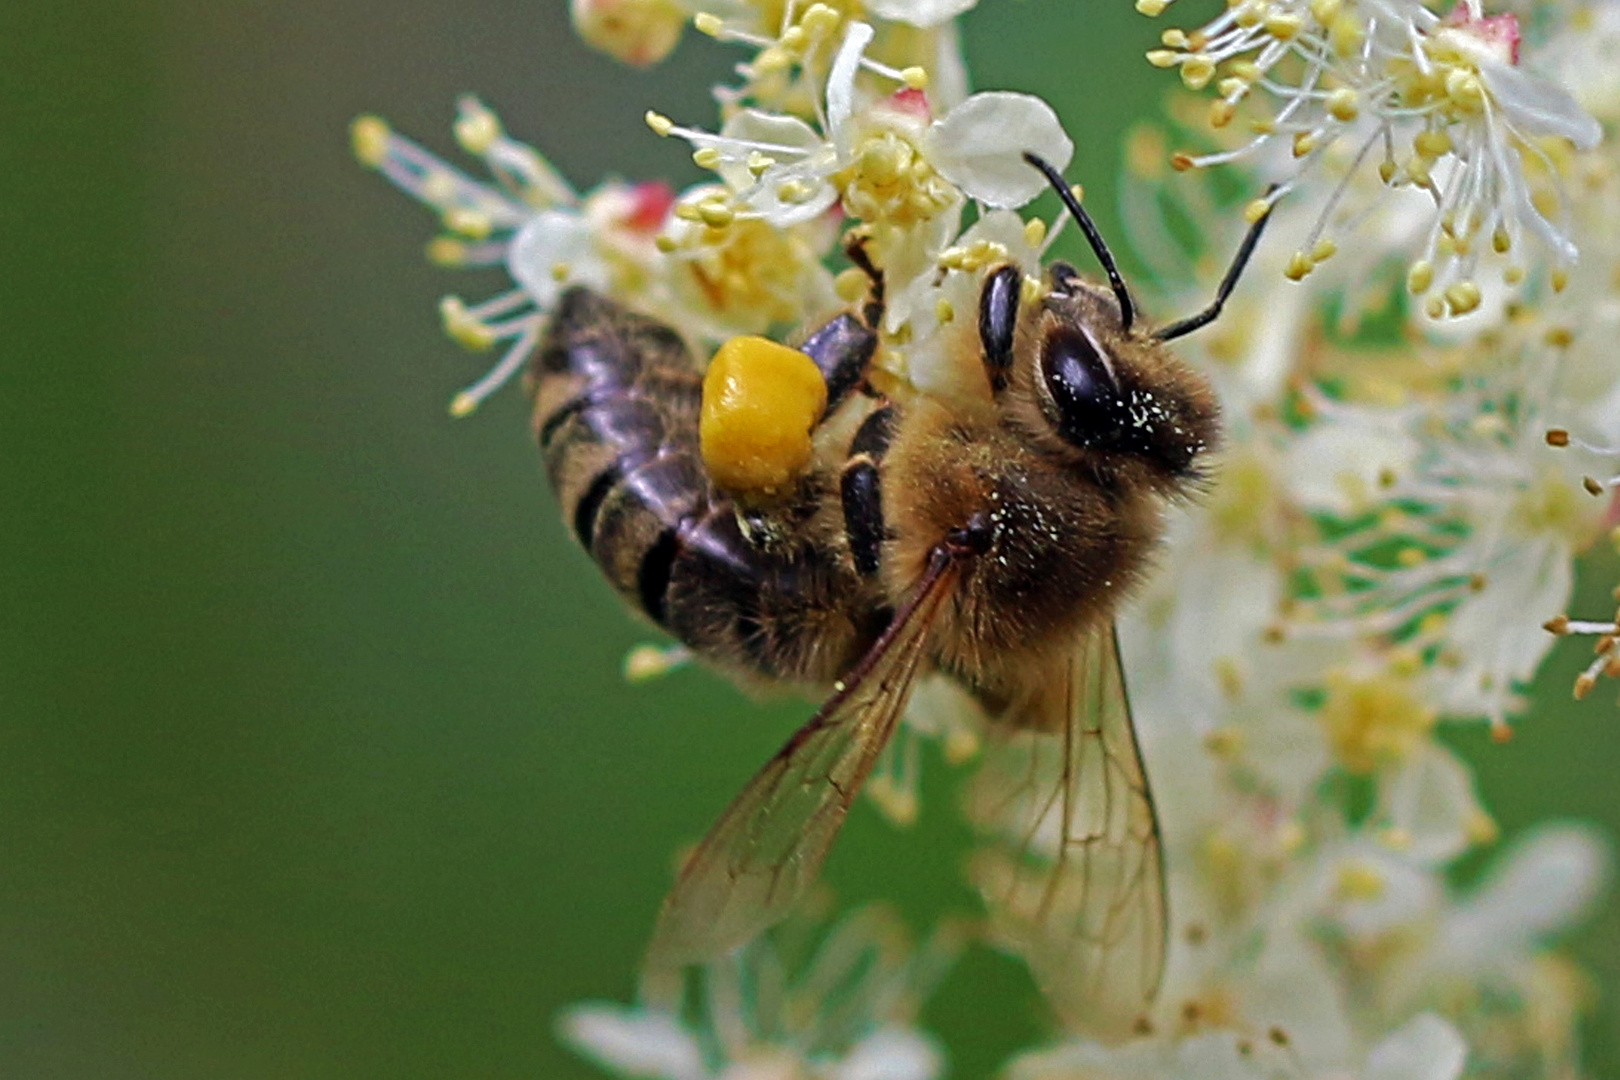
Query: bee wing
{"x": 1072, "y": 870}
{"x": 768, "y": 847}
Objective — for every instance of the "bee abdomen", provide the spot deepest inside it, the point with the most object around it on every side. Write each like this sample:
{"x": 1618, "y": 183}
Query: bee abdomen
{"x": 616, "y": 416}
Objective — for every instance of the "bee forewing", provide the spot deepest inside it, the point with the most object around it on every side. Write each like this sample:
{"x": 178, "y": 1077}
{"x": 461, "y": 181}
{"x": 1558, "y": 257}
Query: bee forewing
{"x": 1071, "y": 869}
{"x": 768, "y": 847}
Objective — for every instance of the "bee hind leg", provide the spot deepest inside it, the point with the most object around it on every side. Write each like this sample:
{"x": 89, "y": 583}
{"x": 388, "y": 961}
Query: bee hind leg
{"x": 860, "y": 491}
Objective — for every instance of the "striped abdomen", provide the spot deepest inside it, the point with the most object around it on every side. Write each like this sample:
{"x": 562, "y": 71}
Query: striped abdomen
{"x": 616, "y": 416}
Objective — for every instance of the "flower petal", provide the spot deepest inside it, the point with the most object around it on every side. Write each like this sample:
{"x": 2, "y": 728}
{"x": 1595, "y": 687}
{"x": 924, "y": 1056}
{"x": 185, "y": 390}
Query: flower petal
{"x": 892, "y": 1053}
{"x": 555, "y": 247}
{"x": 1426, "y": 1048}
{"x": 841, "y": 81}
{"x": 632, "y": 1042}
{"x": 923, "y": 13}
{"x": 1539, "y": 107}
{"x": 979, "y": 146}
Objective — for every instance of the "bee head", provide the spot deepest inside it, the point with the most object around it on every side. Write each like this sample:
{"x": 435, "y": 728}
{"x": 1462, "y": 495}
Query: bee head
{"x": 1076, "y": 371}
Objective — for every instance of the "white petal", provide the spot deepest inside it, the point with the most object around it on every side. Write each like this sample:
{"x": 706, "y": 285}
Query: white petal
{"x": 1338, "y": 466}
{"x": 841, "y": 80}
{"x": 892, "y": 1054}
{"x": 1427, "y": 1048}
{"x": 1548, "y": 881}
{"x": 919, "y": 12}
{"x": 786, "y": 138}
{"x": 632, "y": 1042}
{"x": 1431, "y": 799}
{"x": 555, "y": 240}
{"x": 979, "y": 146}
{"x": 1539, "y": 107}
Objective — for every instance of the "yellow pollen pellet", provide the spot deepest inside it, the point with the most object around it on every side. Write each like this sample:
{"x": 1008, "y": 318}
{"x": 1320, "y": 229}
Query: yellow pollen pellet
{"x": 793, "y": 191}
{"x": 761, "y": 401}
{"x": 661, "y": 124}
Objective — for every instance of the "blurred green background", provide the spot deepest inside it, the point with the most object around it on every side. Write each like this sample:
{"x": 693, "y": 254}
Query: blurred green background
{"x": 314, "y": 757}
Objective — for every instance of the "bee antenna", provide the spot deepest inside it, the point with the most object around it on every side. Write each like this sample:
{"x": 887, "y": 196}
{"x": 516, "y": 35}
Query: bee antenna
{"x": 1127, "y": 310}
{"x": 1228, "y": 283}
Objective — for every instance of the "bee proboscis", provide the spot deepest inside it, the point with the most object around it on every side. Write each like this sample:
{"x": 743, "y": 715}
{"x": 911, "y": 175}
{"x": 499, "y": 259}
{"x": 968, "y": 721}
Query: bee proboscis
{"x": 990, "y": 540}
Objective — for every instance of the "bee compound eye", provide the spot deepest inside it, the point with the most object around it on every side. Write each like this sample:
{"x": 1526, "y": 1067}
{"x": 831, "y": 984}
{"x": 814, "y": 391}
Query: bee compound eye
{"x": 1080, "y": 383}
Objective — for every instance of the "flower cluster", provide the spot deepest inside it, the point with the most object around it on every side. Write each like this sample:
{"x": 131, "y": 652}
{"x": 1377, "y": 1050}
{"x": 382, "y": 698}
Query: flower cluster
{"x": 1390, "y": 94}
{"x": 1414, "y": 456}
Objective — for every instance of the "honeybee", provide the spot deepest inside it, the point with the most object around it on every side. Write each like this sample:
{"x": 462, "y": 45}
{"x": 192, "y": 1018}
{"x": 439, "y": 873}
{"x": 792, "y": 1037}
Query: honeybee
{"x": 989, "y": 540}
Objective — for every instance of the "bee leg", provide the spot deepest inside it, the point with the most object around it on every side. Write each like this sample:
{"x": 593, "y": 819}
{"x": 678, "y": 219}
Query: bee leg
{"x": 841, "y": 349}
{"x": 998, "y": 318}
{"x": 860, "y": 490}
{"x": 872, "y": 310}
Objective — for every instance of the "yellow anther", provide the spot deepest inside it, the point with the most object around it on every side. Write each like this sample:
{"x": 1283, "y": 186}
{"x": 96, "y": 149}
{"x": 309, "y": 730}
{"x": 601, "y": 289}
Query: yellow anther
{"x": 560, "y": 271}
{"x": 1512, "y": 274}
{"x": 1463, "y": 297}
{"x": 473, "y": 224}
{"x": 1360, "y": 881}
{"x": 1464, "y": 89}
{"x": 1284, "y": 26}
{"x": 1432, "y": 144}
{"x": 795, "y": 38}
{"x": 1173, "y": 39}
{"x": 665, "y": 243}
{"x": 463, "y": 405}
{"x": 794, "y": 191}
{"x": 851, "y": 285}
{"x": 1501, "y": 241}
{"x": 1386, "y": 171}
{"x": 772, "y": 58}
{"x": 758, "y": 162}
{"x": 1257, "y": 209}
{"x": 761, "y": 401}
{"x": 943, "y": 311}
{"x": 1247, "y": 70}
{"x": 1343, "y": 104}
{"x": 1249, "y": 14}
{"x": 1034, "y": 232}
{"x": 477, "y": 129}
{"x": 1196, "y": 71}
{"x": 1325, "y": 11}
{"x": 369, "y": 136}
{"x": 1162, "y": 58}
{"x": 706, "y": 22}
{"x": 1299, "y": 264}
{"x": 1304, "y": 143}
{"x": 820, "y": 20}
{"x": 1181, "y": 161}
{"x": 1559, "y": 279}
{"x": 915, "y": 77}
{"x": 1435, "y": 308}
{"x": 1420, "y": 277}
{"x": 462, "y": 327}
{"x": 1221, "y": 113}
{"x": 1031, "y": 291}
{"x": 1345, "y": 34}
{"x": 1323, "y": 250}
{"x": 661, "y": 124}
{"x": 715, "y": 214}
{"x": 647, "y": 662}
{"x": 1411, "y": 556}
{"x": 447, "y": 251}
{"x": 1151, "y": 8}
{"x": 1559, "y": 337}
{"x": 706, "y": 157}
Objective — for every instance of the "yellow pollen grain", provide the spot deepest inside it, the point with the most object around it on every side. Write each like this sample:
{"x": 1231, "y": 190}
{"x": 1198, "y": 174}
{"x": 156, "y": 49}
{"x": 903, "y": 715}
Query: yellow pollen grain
{"x": 560, "y": 271}
{"x": 369, "y": 136}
